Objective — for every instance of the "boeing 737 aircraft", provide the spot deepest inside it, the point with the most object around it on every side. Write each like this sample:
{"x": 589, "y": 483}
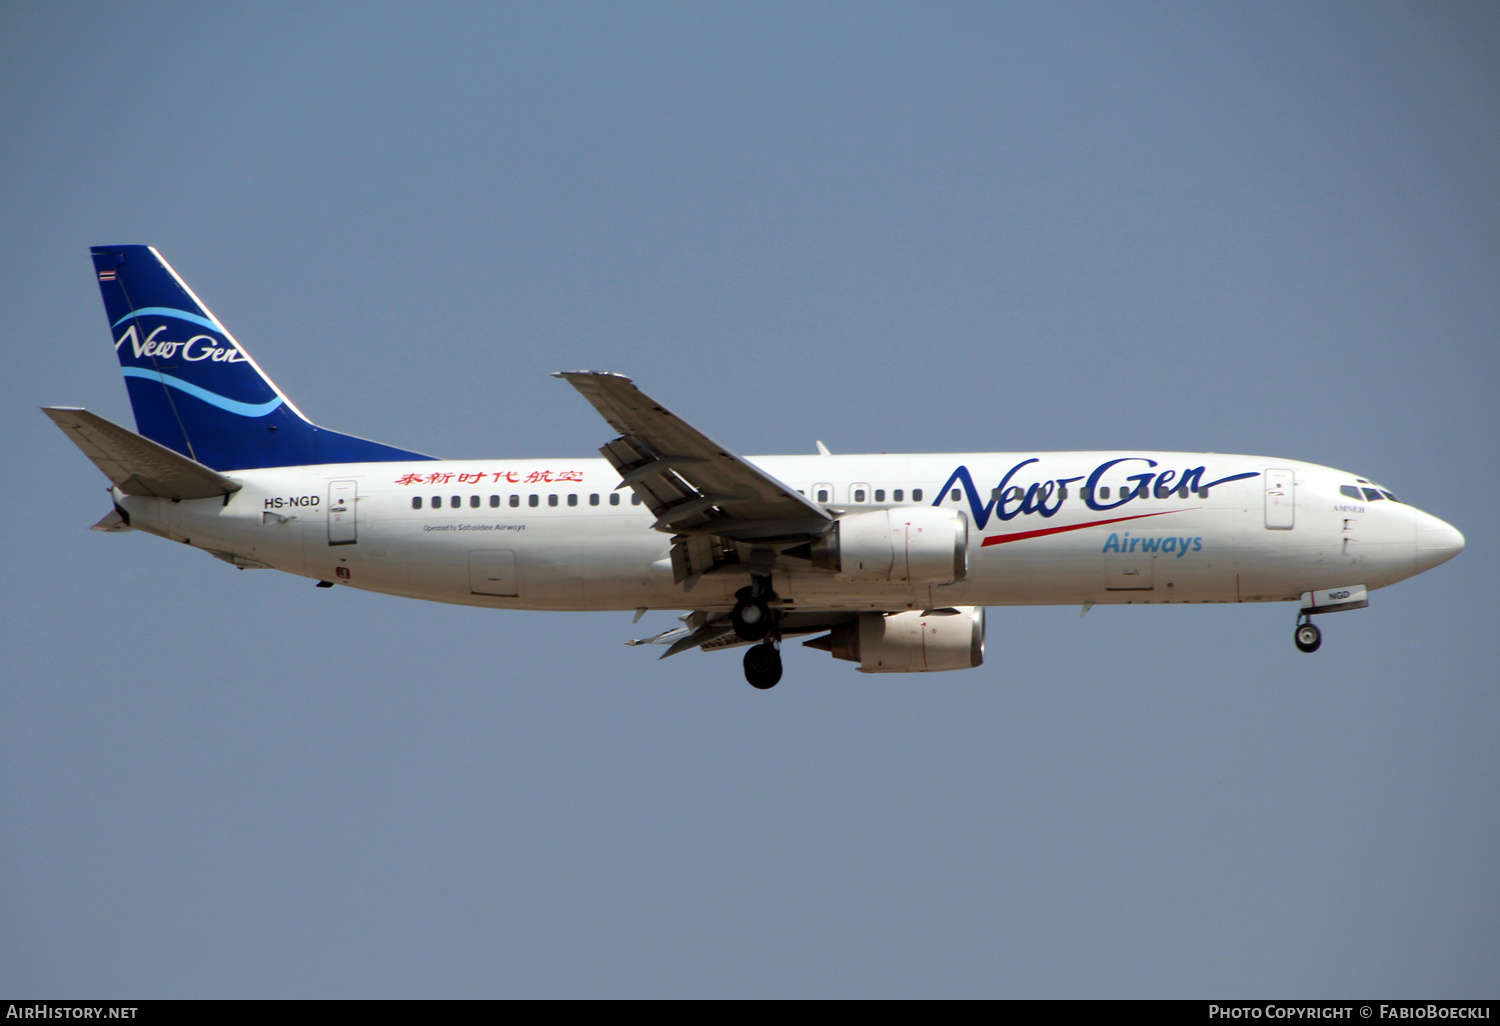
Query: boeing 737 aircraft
{"x": 889, "y": 559}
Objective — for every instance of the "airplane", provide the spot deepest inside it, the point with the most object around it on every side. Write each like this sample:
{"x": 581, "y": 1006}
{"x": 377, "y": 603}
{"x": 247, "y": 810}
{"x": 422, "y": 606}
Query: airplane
{"x": 889, "y": 560}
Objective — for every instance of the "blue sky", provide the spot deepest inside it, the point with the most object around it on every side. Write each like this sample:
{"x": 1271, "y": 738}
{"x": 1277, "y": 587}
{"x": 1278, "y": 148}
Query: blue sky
{"x": 1267, "y": 228}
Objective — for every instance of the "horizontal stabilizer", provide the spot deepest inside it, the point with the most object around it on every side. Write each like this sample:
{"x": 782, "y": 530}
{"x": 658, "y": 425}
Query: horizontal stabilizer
{"x": 136, "y": 465}
{"x": 113, "y": 521}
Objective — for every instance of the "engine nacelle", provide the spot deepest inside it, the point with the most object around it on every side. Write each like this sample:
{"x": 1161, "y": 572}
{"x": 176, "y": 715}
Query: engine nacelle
{"x": 913, "y": 544}
{"x": 911, "y": 642}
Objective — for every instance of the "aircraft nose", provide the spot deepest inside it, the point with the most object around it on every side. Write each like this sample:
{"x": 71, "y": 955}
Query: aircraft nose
{"x": 1437, "y": 542}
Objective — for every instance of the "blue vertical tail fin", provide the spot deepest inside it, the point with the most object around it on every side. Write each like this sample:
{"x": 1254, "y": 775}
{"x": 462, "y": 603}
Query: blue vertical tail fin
{"x": 194, "y": 389}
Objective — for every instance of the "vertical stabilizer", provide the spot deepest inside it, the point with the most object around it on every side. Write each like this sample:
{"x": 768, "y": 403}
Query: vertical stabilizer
{"x": 194, "y": 389}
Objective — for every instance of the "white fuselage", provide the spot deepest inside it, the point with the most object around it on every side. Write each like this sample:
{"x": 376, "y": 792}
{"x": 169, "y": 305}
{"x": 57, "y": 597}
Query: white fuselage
{"x": 1045, "y": 528}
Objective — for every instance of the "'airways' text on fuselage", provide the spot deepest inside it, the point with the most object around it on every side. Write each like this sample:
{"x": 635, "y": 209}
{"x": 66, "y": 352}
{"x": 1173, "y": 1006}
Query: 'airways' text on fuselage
{"x": 1045, "y": 498}
{"x": 1153, "y": 543}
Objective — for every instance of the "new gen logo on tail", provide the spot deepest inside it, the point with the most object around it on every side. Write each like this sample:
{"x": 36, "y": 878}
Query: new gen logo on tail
{"x": 199, "y": 347}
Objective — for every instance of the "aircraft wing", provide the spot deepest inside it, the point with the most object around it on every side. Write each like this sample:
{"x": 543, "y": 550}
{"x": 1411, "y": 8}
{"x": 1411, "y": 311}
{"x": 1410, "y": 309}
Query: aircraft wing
{"x": 696, "y": 488}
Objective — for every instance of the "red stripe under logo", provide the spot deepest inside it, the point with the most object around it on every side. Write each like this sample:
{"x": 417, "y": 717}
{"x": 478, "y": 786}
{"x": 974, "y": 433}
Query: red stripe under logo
{"x": 1001, "y": 539}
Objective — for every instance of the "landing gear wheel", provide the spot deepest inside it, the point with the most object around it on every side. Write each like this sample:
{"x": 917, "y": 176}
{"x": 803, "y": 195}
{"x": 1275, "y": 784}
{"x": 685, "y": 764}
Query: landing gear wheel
{"x": 763, "y": 666}
{"x": 751, "y": 618}
{"x": 1307, "y": 637}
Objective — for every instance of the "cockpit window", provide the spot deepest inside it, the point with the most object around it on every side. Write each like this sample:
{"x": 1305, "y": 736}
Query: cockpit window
{"x": 1373, "y": 495}
{"x": 1351, "y": 491}
{"x": 1388, "y": 495}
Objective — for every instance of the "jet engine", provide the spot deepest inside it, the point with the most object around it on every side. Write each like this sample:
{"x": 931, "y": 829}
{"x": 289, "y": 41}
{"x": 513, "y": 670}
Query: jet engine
{"x": 911, "y": 642}
{"x": 916, "y": 545}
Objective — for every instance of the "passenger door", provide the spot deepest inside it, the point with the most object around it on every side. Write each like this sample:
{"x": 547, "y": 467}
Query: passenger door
{"x": 1281, "y": 497}
{"x": 343, "y": 514}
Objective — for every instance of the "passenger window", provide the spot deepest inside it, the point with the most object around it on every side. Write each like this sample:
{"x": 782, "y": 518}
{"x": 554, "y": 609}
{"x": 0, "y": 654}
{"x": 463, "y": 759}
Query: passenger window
{"x": 473, "y": 502}
{"x": 552, "y": 500}
{"x": 1086, "y": 494}
{"x": 859, "y": 495}
{"x": 916, "y": 495}
{"x": 955, "y": 495}
{"x": 1104, "y": 491}
{"x": 1373, "y": 495}
{"x": 1062, "y": 493}
{"x": 594, "y": 499}
{"x": 515, "y": 500}
{"x": 1202, "y": 493}
{"x": 533, "y": 500}
{"x": 572, "y": 500}
{"x": 416, "y": 502}
{"x": 822, "y": 494}
{"x": 1351, "y": 491}
{"x": 635, "y": 500}
{"x": 455, "y": 501}
{"x": 1182, "y": 492}
{"x": 614, "y": 498}
{"x": 896, "y": 495}
{"x": 437, "y": 502}
{"x": 494, "y": 501}
{"x": 880, "y": 495}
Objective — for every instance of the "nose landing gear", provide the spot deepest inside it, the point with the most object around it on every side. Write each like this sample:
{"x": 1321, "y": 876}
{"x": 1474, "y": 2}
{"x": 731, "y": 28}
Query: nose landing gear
{"x": 1307, "y": 636}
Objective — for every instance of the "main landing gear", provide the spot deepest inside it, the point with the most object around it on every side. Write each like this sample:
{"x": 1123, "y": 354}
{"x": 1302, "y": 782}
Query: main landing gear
{"x": 751, "y": 615}
{"x": 1307, "y": 636}
{"x": 751, "y": 618}
{"x": 755, "y": 620}
{"x": 763, "y": 664}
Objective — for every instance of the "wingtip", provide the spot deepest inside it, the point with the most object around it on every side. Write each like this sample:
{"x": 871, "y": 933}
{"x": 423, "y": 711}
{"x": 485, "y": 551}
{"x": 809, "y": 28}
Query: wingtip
{"x": 570, "y": 375}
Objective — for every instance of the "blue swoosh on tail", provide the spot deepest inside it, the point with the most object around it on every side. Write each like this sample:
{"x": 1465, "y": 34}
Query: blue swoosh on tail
{"x": 167, "y": 311}
{"x": 212, "y": 398}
